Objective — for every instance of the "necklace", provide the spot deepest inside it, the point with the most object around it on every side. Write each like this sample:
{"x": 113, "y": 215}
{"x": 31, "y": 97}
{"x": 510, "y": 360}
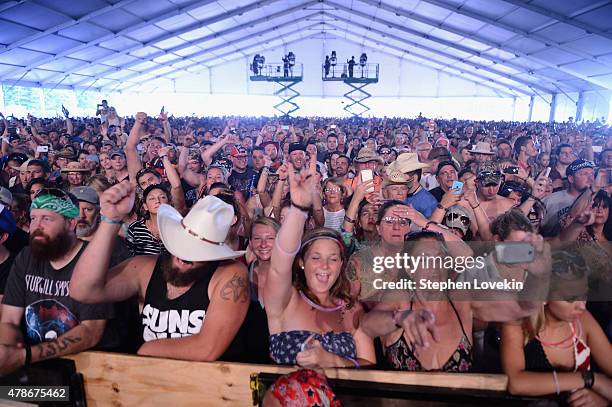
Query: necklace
{"x": 320, "y": 307}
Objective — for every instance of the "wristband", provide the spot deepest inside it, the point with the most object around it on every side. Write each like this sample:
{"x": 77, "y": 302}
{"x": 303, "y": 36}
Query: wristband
{"x": 439, "y": 206}
{"x": 28, "y": 356}
{"x": 357, "y": 365}
{"x": 474, "y": 207}
{"x": 109, "y": 220}
{"x": 349, "y": 220}
{"x": 556, "y": 380}
{"x": 588, "y": 377}
{"x": 301, "y": 208}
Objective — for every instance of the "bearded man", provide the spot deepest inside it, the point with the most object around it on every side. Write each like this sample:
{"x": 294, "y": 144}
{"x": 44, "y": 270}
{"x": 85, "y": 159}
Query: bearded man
{"x": 38, "y": 289}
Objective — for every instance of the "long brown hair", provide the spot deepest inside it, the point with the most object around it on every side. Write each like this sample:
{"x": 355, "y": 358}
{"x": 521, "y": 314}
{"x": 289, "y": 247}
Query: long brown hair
{"x": 341, "y": 288}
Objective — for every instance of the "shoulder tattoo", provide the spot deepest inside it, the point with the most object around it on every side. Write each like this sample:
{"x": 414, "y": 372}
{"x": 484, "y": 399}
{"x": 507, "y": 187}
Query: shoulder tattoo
{"x": 235, "y": 290}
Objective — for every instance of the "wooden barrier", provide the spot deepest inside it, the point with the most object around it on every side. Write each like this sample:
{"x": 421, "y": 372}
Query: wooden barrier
{"x": 127, "y": 380}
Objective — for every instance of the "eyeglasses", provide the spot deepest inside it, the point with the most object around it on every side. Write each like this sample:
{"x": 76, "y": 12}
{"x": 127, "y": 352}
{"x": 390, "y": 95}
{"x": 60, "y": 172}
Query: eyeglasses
{"x": 450, "y": 217}
{"x": 328, "y": 189}
{"x": 395, "y": 221}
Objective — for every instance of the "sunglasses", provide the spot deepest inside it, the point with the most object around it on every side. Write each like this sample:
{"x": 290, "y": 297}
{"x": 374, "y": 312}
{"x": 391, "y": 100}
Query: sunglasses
{"x": 56, "y": 192}
{"x": 450, "y": 217}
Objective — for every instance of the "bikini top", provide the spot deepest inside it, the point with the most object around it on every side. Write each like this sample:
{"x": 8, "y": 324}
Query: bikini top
{"x": 400, "y": 355}
{"x": 284, "y": 346}
{"x": 536, "y": 360}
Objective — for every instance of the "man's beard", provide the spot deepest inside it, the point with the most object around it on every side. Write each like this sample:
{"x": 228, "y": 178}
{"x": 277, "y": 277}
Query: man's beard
{"x": 48, "y": 249}
{"x": 85, "y": 229}
{"x": 179, "y": 278}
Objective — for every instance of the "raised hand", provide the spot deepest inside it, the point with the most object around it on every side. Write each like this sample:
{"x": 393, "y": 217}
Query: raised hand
{"x": 450, "y": 198}
{"x": 117, "y": 201}
{"x": 141, "y": 118}
{"x": 419, "y": 326}
{"x": 302, "y": 187}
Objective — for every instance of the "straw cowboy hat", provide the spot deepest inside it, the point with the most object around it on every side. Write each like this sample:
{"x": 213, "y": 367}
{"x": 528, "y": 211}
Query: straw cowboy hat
{"x": 366, "y": 155}
{"x": 394, "y": 177}
{"x": 482, "y": 147}
{"x": 405, "y": 163}
{"x": 75, "y": 166}
{"x": 199, "y": 236}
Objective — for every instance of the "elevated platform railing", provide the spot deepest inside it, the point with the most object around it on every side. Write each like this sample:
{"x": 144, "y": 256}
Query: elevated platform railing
{"x": 112, "y": 379}
{"x": 367, "y": 73}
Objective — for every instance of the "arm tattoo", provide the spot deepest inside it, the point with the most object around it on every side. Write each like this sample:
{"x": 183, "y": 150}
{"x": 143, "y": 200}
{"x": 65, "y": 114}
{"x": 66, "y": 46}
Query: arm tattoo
{"x": 351, "y": 271}
{"x": 235, "y": 290}
{"x": 56, "y": 347}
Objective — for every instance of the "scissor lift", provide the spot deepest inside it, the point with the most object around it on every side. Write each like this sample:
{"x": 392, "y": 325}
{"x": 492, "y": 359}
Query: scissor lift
{"x": 362, "y": 76}
{"x": 286, "y": 79}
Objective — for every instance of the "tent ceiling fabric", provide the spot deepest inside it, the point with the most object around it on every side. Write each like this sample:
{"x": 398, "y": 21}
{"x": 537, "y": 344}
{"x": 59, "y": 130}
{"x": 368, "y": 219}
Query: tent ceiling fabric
{"x": 516, "y": 47}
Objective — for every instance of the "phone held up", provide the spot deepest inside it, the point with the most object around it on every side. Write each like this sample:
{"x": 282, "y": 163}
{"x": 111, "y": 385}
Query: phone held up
{"x": 514, "y": 252}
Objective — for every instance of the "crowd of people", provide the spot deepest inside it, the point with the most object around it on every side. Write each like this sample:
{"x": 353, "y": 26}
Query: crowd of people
{"x": 255, "y": 240}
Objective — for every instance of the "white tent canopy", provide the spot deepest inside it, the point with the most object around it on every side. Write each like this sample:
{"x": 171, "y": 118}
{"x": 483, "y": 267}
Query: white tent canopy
{"x": 557, "y": 52}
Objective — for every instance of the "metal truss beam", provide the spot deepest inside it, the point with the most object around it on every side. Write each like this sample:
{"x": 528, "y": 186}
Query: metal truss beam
{"x": 202, "y": 40}
{"x": 523, "y": 33}
{"x": 153, "y": 20}
{"x": 461, "y": 75}
{"x": 441, "y": 41}
{"x": 493, "y": 44}
{"x": 441, "y": 53}
{"x": 237, "y": 51}
{"x": 67, "y": 24}
{"x": 221, "y": 46}
{"x": 560, "y": 18}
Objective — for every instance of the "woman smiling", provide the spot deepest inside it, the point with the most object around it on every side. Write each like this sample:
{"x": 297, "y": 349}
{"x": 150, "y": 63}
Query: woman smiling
{"x": 312, "y": 320}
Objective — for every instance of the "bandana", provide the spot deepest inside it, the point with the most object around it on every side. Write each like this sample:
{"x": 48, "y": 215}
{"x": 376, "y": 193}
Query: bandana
{"x": 64, "y": 207}
{"x": 577, "y": 165}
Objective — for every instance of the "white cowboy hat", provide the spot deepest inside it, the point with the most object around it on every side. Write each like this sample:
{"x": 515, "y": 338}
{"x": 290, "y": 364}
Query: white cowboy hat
{"x": 199, "y": 236}
{"x": 406, "y": 162}
{"x": 482, "y": 147}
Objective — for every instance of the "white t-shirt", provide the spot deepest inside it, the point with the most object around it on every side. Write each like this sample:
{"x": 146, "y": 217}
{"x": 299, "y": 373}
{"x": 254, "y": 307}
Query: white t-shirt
{"x": 334, "y": 220}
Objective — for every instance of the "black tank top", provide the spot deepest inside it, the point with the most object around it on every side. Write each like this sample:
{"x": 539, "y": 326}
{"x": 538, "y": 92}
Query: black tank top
{"x": 182, "y": 316}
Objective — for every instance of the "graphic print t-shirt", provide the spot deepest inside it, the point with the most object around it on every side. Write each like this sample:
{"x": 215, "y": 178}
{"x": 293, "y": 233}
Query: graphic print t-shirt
{"x": 44, "y": 293}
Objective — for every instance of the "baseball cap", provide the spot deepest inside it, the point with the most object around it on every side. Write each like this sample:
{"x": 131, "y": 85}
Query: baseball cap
{"x": 296, "y": 147}
{"x": 489, "y": 173}
{"x": 6, "y": 197}
{"x": 238, "y": 152}
{"x": 117, "y": 152}
{"x": 444, "y": 164}
{"x": 438, "y": 152}
{"x": 577, "y": 165}
{"x": 86, "y": 194}
{"x": 7, "y": 221}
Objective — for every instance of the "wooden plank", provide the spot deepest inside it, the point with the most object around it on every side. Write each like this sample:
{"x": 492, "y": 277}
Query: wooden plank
{"x": 127, "y": 380}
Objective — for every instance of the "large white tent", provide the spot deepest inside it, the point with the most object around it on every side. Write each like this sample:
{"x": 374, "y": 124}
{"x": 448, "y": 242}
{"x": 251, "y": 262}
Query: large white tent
{"x": 510, "y": 59}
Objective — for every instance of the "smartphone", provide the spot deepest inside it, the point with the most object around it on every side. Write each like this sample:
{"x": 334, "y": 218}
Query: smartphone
{"x": 284, "y": 127}
{"x": 332, "y": 126}
{"x": 459, "y": 185}
{"x": 514, "y": 252}
{"x": 597, "y": 149}
{"x": 272, "y": 128}
{"x": 42, "y": 149}
{"x": 547, "y": 172}
{"x": 367, "y": 175}
{"x": 511, "y": 170}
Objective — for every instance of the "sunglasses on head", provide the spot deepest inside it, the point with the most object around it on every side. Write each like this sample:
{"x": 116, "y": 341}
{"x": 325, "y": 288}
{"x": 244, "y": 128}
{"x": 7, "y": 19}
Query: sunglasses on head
{"x": 462, "y": 218}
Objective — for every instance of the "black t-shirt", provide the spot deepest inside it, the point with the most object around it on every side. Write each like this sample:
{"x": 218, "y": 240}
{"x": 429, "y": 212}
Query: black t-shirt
{"x": 17, "y": 241}
{"x": 438, "y": 193}
{"x": 242, "y": 181}
{"x": 44, "y": 294}
{"x": 5, "y": 269}
{"x": 191, "y": 193}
